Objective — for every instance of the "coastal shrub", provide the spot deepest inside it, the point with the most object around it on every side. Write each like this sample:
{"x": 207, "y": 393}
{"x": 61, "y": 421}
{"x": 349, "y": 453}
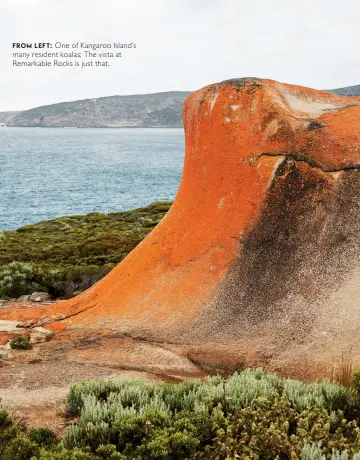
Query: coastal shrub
{"x": 324, "y": 394}
{"x": 16, "y": 279}
{"x": 8, "y": 430}
{"x": 313, "y": 452}
{"x": 65, "y": 454}
{"x": 276, "y": 430}
{"x": 72, "y": 253}
{"x": 108, "y": 451}
{"x": 356, "y": 380}
{"x": 144, "y": 419}
{"x": 44, "y": 437}
{"x": 83, "y": 240}
{"x": 76, "y": 279}
{"x": 20, "y": 448}
{"x": 250, "y": 415}
{"x": 239, "y": 391}
{"x": 20, "y": 343}
{"x": 158, "y": 436}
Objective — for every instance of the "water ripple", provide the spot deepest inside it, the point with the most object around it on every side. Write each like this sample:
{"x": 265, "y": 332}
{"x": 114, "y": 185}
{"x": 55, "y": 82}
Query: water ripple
{"x": 46, "y": 173}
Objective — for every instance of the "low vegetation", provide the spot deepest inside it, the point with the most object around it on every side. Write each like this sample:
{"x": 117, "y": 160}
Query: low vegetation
{"x": 15, "y": 279}
{"x": 69, "y": 254}
{"x": 251, "y": 415}
{"x": 20, "y": 343}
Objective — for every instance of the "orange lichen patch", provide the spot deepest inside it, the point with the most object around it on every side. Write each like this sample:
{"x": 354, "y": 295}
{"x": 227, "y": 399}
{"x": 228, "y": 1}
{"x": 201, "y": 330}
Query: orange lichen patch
{"x": 38, "y": 315}
{"x": 57, "y": 326}
{"x": 239, "y": 136}
{"x": 5, "y": 338}
{"x": 179, "y": 268}
{"x": 21, "y": 313}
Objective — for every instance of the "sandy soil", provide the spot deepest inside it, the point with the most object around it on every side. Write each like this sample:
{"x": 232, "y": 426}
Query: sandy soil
{"x": 34, "y": 383}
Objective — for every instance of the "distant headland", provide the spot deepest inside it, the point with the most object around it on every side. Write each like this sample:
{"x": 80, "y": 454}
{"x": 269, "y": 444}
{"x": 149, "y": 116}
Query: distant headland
{"x": 157, "y": 110}
{"x": 154, "y": 110}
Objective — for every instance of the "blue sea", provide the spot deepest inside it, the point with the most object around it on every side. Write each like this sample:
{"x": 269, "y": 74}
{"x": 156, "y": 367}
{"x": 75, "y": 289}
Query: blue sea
{"x": 48, "y": 172}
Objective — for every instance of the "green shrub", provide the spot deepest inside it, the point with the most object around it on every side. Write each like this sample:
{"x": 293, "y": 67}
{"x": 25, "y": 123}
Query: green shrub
{"x": 356, "y": 380}
{"x": 62, "y": 453}
{"x": 8, "y": 431}
{"x": 269, "y": 430}
{"x": 20, "y": 448}
{"x": 313, "y": 452}
{"x": 72, "y": 253}
{"x": 177, "y": 441}
{"x": 252, "y": 415}
{"x": 109, "y": 452}
{"x": 44, "y": 437}
{"x": 259, "y": 431}
{"x": 158, "y": 420}
{"x": 15, "y": 445}
{"x": 326, "y": 395}
{"x": 84, "y": 240}
{"x": 20, "y": 343}
{"x": 15, "y": 279}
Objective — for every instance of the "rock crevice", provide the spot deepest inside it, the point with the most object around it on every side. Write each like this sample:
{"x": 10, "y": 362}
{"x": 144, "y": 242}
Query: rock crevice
{"x": 293, "y": 158}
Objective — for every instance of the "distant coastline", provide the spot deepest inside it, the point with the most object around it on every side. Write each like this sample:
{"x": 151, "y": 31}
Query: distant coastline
{"x": 154, "y": 110}
{"x": 94, "y": 127}
{"x": 157, "y": 110}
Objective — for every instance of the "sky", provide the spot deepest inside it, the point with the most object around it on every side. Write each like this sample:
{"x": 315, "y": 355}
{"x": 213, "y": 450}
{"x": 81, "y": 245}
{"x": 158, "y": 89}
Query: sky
{"x": 181, "y": 45}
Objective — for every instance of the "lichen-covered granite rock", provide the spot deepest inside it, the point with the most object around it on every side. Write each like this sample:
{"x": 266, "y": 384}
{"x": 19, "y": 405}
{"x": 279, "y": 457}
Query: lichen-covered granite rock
{"x": 257, "y": 261}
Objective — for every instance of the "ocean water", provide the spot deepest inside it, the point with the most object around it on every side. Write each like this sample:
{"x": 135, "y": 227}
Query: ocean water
{"x": 47, "y": 173}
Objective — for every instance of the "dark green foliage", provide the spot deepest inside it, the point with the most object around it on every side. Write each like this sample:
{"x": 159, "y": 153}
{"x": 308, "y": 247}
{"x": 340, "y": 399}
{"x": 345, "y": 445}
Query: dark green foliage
{"x": 252, "y": 415}
{"x": 175, "y": 438}
{"x": 14, "y": 445}
{"x": 93, "y": 239}
{"x": 15, "y": 279}
{"x": 109, "y": 451}
{"x": 276, "y": 430}
{"x": 20, "y": 448}
{"x": 8, "y": 430}
{"x": 259, "y": 431}
{"x": 44, "y": 437}
{"x": 158, "y": 435}
{"x": 72, "y": 253}
{"x": 62, "y": 453}
{"x": 20, "y": 343}
{"x": 64, "y": 281}
{"x": 356, "y": 380}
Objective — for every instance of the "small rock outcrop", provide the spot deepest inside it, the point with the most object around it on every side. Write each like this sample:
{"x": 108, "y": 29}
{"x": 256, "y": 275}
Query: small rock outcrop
{"x": 257, "y": 262}
{"x": 24, "y": 298}
{"x": 11, "y": 329}
{"x": 39, "y": 297}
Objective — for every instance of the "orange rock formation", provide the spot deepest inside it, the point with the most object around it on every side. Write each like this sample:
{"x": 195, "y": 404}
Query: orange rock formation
{"x": 257, "y": 259}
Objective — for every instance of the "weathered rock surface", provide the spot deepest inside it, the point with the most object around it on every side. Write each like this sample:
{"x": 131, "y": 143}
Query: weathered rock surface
{"x": 40, "y": 335}
{"x": 257, "y": 262}
{"x": 23, "y": 298}
{"x": 11, "y": 329}
{"x": 39, "y": 297}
